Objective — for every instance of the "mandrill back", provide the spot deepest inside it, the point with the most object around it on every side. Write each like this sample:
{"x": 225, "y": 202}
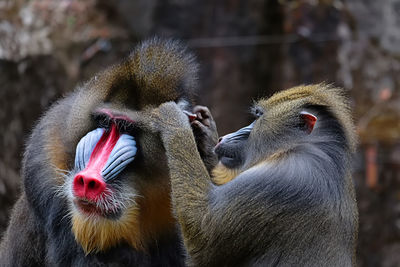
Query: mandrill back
{"x": 129, "y": 221}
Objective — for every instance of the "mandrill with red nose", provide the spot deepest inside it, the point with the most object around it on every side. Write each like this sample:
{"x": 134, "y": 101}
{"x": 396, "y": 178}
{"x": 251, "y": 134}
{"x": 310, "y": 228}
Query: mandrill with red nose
{"x": 95, "y": 179}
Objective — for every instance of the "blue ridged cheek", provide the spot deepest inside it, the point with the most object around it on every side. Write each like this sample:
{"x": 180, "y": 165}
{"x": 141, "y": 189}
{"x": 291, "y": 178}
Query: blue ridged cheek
{"x": 85, "y": 148}
{"x": 123, "y": 153}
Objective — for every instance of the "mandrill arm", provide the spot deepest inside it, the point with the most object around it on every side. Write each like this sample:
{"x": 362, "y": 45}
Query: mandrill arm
{"x": 193, "y": 193}
{"x": 190, "y": 180}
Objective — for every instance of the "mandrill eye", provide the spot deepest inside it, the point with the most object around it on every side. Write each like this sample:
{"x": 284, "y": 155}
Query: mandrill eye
{"x": 85, "y": 148}
{"x": 257, "y": 112}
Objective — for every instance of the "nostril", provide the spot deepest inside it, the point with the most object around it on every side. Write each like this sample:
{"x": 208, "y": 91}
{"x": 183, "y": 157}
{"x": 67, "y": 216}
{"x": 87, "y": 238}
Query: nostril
{"x": 80, "y": 181}
{"x": 92, "y": 184}
{"x": 219, "y": 139}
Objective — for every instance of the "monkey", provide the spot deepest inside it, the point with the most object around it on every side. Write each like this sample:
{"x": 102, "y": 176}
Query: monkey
{"x": 95, "y": 180}
{"x": 281, "y": 193}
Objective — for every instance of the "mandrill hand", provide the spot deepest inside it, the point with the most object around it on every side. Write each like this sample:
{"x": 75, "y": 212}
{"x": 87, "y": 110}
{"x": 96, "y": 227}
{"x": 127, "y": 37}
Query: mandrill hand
{"x": 206, "y": 135}
{"x": 204, "y": 128}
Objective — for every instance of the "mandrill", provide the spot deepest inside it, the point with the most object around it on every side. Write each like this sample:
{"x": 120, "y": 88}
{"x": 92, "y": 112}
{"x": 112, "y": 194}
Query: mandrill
{"x": 96, "y": 189}
{"x": 281, "y": 193}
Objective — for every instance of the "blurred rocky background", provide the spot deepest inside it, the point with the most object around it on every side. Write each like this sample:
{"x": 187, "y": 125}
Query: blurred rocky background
{"x": 247, "y": 49}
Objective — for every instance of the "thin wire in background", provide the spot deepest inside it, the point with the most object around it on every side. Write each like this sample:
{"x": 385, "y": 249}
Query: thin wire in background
{"x": 209, "y": 42}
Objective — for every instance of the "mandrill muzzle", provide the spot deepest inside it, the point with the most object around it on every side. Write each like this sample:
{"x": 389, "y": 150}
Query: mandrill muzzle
{"x": 100, "y": 156}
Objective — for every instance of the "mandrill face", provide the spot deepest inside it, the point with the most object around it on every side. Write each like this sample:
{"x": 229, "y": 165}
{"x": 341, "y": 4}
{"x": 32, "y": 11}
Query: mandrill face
{"x": 115, "y": 189}
{"x": 100, "y": 156}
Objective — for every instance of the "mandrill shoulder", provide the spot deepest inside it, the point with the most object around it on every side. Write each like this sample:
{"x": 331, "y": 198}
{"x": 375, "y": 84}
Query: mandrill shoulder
{"x": 47, "y": 146}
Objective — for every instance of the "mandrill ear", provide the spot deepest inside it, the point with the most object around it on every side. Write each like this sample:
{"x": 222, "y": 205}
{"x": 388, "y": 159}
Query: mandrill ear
{"x": 309, "y": 120}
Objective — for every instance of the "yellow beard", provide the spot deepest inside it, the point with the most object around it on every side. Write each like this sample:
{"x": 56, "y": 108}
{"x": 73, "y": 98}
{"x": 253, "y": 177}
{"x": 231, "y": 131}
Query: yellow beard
{"x": 221, "y": 174}
{"x": 145, "y": 221}
{"x": 99, "y": 234}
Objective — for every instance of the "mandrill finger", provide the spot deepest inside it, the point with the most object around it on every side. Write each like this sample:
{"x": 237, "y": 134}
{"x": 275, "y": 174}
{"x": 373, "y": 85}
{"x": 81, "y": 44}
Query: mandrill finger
{"x": 190, "y": 115}
{"x": 203, "y": 111}
{"x": 198, "y": 128}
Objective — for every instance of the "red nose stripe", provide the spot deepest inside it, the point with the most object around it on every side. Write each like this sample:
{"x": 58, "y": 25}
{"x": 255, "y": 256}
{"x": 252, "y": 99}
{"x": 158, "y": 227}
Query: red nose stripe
{"x": 103, "y": 148}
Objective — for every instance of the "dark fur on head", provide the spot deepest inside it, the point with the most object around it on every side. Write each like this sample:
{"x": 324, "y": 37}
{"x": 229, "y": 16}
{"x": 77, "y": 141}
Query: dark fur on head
{"x": 143, "y": 233}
